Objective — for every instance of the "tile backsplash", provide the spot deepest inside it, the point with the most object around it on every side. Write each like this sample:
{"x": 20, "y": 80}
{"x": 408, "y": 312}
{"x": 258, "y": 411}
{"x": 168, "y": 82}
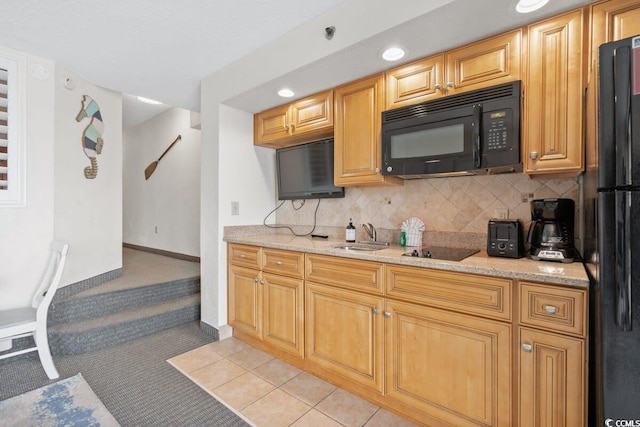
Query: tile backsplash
{"x": 457, "y": 204}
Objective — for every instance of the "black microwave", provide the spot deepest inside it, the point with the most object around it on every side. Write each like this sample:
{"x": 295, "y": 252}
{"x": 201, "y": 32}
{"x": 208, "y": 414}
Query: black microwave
{"x": 473, "y": 133}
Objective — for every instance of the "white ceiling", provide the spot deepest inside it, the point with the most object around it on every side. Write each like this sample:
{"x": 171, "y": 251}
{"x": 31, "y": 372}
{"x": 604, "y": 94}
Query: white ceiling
{"x": 161, "y": 49}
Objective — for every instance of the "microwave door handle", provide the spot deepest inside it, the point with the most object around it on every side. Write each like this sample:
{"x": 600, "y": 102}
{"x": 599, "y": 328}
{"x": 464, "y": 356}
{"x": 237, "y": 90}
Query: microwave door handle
{"x": 477, "y": 112}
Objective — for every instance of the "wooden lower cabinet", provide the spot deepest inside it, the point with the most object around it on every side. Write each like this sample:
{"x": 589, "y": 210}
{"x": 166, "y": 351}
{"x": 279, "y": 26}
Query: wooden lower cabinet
{"x": 442, "y": 348}
{"x": 283, "y": 313}
{"x": 344, "y": 333}
{"x": 552, "y": 380}
{"x": 265, "y": 306}
{"x": 453, "y": 367}
{"x": 245, "y": 300}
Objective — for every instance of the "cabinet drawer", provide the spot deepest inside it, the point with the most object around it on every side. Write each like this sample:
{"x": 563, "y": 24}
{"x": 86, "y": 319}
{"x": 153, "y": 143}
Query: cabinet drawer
{"x": 346, "y": 273}
{"x": 246, "y": 256}
{"x": 283, "y": 262}
{"x": 469, "y": 293}
{"x": 555, "y": 308}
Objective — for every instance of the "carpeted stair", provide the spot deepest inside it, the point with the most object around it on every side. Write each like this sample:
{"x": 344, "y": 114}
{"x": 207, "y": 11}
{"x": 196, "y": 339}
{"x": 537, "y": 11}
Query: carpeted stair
{"x": 102, "y": 316}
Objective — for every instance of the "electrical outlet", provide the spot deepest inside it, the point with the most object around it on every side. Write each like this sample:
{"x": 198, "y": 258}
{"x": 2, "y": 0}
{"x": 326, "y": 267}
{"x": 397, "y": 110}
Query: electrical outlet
{"x": 526, "y": 197}
{"x": 501, "y": 213}
{"x": 235, "y": 208}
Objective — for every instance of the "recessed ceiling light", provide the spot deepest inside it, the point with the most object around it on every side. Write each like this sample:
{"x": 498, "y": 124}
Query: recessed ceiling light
{"x": 393, "y": 54}
{"x": 527, "y": 6}
{"x": 286, "y": 93}
{"x": 148, "y": 101}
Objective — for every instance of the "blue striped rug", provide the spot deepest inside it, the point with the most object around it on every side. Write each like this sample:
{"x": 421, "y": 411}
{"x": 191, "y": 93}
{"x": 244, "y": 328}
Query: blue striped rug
{"x": 69, "y": 402}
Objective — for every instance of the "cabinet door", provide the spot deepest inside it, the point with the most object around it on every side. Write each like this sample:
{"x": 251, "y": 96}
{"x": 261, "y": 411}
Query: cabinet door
{"x": 344, "y": 333}
{"x": 312, "y": 114}
{"x": 283, "y": 308}
{"x": 454, "y": 367}
{"x": 358, "y": 108}
{"x": 612, "y": 20}
{"x": 552, "y": 132}
{"x": 415, "y": 82}
{"x": 486, "y": 63}
{"x": 552, "y": 380}
{"x": 271, "y": 125}
{"x": 245, "y": 300}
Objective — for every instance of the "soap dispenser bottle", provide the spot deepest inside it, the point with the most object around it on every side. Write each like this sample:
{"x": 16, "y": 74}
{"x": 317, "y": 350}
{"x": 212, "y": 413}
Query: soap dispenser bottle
{"x": 351, "y": 232}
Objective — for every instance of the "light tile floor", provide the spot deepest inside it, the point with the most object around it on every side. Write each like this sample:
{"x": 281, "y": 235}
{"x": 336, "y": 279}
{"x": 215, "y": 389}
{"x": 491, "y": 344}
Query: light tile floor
{"x": 268, "y": 392}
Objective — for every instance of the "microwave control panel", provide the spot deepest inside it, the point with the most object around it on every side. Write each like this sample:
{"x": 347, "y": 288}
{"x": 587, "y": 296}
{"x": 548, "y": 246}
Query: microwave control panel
{"x": 498, "y": 126}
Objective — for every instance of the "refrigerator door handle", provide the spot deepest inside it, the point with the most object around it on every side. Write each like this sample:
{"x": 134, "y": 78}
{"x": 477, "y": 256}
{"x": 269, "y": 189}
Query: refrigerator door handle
{"x": 623, "y": 260}
{"x": 622, "y": 114}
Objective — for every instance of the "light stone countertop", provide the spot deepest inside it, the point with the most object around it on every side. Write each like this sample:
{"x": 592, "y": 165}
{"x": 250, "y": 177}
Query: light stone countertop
{"x": 570, "y": 274}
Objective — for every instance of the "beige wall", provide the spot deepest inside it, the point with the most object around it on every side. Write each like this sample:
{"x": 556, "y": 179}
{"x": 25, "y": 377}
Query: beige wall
{"x": 26, "y": 232}
{"x": 87, "y": 212}
{"x": 170, "y": 198}
{"x": 459, "y": 204}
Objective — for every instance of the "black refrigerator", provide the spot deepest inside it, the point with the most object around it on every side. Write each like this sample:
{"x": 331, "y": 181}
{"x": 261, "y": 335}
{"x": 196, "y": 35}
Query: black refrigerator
{"x": 612, "y": 240}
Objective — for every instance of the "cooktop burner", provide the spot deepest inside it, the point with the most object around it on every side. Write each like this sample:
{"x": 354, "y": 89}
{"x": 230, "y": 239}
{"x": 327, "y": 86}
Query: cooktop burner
{"x": 441, "y": 252}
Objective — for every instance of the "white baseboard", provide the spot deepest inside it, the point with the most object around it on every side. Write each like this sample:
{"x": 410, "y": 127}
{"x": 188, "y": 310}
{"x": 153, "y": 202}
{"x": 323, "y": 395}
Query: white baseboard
{"x": 225, "y": 331}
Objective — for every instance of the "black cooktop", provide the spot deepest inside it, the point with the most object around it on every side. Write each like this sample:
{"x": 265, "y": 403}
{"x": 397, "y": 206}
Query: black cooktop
{"x": 441, "y": 252}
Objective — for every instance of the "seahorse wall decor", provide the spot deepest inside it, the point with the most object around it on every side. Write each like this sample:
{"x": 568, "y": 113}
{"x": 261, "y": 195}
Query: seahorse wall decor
{"x": 92, "y": 141}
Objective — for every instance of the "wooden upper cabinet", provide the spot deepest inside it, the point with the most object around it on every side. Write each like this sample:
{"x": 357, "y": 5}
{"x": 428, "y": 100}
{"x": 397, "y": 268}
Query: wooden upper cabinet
{"x": 312, "y": 114}
{"x": 302, "y": 121}
{"x": 485, "y": 63}
{"x": 357, "y": 145}
{"x": 610, "y": 21}
{"x": 552, "y": 130}
{"x": 415, "y": 82}
{"x": 614, "y": 20}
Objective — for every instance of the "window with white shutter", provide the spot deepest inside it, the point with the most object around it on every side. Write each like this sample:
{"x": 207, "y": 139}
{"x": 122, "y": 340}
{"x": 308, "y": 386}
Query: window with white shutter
{"x": 12, "y": 141}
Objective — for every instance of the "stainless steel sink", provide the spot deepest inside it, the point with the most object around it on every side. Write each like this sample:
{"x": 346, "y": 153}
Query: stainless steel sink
{"x": 361, "y": 246}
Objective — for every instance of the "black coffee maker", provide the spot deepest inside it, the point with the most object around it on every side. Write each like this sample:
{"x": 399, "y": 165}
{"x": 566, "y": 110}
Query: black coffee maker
{"x": 551, "y": 231}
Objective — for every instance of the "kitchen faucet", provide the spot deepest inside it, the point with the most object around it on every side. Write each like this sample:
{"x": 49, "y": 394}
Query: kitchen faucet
{"x": 371, "y": 231}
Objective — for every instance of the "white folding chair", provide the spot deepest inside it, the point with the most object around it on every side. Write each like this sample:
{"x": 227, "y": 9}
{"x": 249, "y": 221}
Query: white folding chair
{"x": 23, "y": 322}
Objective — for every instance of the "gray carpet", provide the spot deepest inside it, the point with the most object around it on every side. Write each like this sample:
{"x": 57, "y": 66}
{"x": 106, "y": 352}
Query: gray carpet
{"x": 133, "y": 380}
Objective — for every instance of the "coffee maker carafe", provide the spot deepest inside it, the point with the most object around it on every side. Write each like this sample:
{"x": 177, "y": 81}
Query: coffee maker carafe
{"x": 551, "y": 231}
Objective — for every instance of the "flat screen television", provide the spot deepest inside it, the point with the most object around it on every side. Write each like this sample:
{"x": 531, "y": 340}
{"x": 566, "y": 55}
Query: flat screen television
{"x": 306, "y": 172}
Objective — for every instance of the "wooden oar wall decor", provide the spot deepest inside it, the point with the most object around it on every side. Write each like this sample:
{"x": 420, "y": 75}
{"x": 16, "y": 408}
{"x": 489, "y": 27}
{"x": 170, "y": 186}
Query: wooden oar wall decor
{"x": 152, "y": 167}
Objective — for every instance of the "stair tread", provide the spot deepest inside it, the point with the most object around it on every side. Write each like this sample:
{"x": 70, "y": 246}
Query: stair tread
{"x": 114, "y": 286}
{"x": 126, "y": 315}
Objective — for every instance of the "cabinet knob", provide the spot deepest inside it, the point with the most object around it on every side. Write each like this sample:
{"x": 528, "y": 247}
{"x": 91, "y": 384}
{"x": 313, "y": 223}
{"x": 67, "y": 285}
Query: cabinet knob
{"x": 278, "y": 262}
{"x": 293, "y": 126}
{"x": 376, "y": 310}
{"x": 450, "y": 84}
{"x": 377, "y": 170}
{"x": 243, "y": 256}
{"x": 533, "y": 155}
{"x": 527, "y": 347}
{"x": 551, "y": 309}
{"x": 262, "y": 282}
{"x": 438, "y": 86}
{"x": 387, "y": 314}
{"x": 286, "y": 127}
{"x": 389, "y": 168}
{"x": 255, "y": 280}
